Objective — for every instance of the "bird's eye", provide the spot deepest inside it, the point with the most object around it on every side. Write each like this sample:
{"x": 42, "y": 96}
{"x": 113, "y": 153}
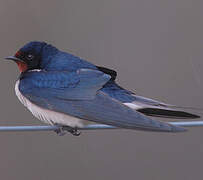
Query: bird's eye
{"x": 29, "y": 56}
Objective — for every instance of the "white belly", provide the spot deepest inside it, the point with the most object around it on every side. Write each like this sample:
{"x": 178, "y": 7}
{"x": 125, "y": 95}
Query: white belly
{"x": 48, "y": 116}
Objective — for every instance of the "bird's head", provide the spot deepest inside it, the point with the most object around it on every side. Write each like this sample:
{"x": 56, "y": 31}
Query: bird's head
{"x": 30, "y": 56}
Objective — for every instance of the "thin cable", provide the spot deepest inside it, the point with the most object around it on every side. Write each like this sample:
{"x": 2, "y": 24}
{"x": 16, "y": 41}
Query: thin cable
{"x": 88, "y": 127}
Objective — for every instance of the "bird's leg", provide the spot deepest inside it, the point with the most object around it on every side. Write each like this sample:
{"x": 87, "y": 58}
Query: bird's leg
{"x": 73, "y": 130}
{"x": 60, "y": 131}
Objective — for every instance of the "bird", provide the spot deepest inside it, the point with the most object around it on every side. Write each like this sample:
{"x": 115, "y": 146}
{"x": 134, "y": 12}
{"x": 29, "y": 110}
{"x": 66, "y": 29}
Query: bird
{"x": 62, "y": 89}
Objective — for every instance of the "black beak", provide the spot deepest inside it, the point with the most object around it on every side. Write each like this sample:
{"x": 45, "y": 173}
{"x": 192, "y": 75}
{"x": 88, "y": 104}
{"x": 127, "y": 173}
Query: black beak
{"x": 13, "y": 58}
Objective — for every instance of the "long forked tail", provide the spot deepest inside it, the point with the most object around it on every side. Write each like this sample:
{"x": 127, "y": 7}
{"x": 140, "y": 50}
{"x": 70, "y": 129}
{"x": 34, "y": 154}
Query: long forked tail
{"x": 148, "y": 106}
{"x": 155, "y": 108}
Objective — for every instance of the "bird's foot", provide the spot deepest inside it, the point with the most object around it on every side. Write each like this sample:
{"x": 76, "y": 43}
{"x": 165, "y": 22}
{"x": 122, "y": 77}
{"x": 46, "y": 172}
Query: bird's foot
{"x": 73, "y": 130}
{"x": 62, "y": 130}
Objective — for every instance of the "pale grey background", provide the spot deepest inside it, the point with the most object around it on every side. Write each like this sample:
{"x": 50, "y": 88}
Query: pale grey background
{"x": 157, "y": 48}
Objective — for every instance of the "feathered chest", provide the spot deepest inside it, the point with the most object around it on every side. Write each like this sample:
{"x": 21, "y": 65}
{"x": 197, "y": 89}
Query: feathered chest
{"x": 46, "y": 115}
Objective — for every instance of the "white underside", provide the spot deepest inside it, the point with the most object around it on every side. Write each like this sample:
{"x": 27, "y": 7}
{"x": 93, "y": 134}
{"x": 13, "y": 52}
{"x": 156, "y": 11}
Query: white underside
{"x": 48, "y": 116}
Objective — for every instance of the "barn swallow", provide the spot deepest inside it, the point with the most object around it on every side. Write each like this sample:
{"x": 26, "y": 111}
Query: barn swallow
{"x": 62, "y": 89}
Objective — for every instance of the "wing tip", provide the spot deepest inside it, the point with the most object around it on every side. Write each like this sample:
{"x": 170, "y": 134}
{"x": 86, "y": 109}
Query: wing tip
{"x": 176, "y": 129}
{"x": 165, "y": 127}
{"x": 157, "y": 126}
